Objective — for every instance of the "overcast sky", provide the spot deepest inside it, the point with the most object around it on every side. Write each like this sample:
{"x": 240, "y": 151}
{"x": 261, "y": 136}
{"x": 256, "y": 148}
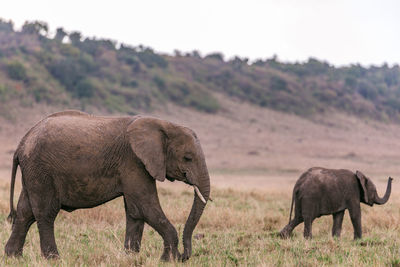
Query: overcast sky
{"x": 340, "y": 31}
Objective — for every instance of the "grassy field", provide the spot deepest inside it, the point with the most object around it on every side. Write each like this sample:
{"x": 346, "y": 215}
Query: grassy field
{"x": 238, "y": 228}
{"x": 255, "y": 156}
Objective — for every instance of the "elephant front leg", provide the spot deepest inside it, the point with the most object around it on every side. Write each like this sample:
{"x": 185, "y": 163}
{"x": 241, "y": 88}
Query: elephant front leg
{"x": 337, "y": 223}
{"x": 157, "y": 219}
{"x": 355, "y": 216}
{"x": 308, "y": 227}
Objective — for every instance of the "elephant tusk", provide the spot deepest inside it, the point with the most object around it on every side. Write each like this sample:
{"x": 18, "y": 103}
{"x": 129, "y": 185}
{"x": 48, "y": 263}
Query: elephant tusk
{"x": 196, "y": 189}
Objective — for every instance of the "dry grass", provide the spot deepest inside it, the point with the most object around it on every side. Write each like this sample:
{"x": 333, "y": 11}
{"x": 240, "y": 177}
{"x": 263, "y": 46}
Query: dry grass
{"x": 238, "y": 228}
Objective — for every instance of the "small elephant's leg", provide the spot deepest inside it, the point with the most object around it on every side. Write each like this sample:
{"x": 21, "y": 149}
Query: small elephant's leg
{"x": 134, "y": 228}
{"x": 337, "y": 223}
{"x": 355, "y": 216}
{"x": 156, "y": 218}
{"x": 45, "y": 207}
{"x": 287, "y": 230}
{"x": 21, "y": 225}
{"x": 308, "y": 227}
{"x": 47, "y": 241}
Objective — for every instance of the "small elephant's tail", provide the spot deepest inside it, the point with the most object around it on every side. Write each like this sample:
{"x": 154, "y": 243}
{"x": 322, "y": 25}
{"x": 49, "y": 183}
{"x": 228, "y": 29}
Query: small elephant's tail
{"x": 13, "y": 213}
{"x": 291, "y": 207}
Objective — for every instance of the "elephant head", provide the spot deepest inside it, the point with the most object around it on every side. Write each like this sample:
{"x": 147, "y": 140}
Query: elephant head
{"x": 171, "y": 151}
{"x": 369, "y": 193}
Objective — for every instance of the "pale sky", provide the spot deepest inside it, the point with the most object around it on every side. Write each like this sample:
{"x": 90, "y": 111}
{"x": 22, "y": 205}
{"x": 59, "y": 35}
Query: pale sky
{"x": 341, "y": 32}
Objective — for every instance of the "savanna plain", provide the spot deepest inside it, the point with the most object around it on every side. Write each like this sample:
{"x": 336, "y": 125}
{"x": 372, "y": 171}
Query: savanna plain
{"x": 254, "y": 157}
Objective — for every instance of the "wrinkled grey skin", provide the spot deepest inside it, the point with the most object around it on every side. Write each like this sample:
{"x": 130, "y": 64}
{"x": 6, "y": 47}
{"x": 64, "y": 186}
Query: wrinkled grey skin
{"x": 322, "y": 191}
{"x": 72, "y": 160}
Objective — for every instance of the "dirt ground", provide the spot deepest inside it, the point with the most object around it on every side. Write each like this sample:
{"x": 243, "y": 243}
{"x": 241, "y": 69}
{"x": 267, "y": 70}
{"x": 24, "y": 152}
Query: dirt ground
{"x": 252, "y": 147}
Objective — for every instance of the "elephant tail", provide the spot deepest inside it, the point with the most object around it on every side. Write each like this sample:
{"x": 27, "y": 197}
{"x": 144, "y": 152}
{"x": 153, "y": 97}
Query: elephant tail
{"x": 291, "y": 206}
{"x": 13, "y": 213}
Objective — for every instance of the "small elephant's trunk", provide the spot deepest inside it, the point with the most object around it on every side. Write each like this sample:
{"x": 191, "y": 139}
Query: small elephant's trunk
{"x": 385, "y": 198}
{"x": 195, "y": 214}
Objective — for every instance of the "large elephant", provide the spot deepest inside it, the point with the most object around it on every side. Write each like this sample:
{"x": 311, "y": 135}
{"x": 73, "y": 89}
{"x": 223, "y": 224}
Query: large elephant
{"x": 321, "y": 191}
{"x": 72, "y": 160}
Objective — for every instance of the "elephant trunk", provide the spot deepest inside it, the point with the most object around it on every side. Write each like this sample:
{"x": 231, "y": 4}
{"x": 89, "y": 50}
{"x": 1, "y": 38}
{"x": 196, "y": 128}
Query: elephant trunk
{"x": 385, "y": 198}
{"x": 195, "y": 213}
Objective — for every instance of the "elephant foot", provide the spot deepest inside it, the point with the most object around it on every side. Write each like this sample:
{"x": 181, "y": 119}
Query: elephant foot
{"x": 169, "y": 255}
{"x": 284, "y": 233}
{"x": 132, "y": 248}
{"x": 51, "y": 255}
{"x": 186, "y": 255}
{"x": 13, "y": 252}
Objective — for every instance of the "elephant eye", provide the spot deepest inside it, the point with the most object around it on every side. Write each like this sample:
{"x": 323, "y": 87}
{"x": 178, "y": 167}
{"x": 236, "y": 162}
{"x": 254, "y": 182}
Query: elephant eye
{"x": 187, "y": 158}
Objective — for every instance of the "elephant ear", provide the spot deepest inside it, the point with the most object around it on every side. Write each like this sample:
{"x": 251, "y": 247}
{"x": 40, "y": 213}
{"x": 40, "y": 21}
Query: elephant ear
{"x": 363, "y": 181}
{"x": 147, "y": 138}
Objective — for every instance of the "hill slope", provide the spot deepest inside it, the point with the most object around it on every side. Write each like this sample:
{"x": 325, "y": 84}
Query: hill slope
{"x": 89, "y": 73}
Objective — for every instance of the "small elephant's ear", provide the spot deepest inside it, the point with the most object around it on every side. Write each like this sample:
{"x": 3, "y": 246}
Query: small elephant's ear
{"x": 147, "y": 138}
{"x": 363, "y": 181}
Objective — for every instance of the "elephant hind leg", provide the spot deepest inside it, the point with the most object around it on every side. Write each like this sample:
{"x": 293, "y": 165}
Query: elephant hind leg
{"x": 337, "y": 223}
{"x": 45, "y": 207}
{"x": 288, "y": 229}
{"x": 21, "y": 225}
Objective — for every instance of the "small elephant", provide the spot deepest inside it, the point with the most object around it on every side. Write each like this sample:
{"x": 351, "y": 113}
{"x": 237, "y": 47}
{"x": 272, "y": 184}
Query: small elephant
{"x": 72, "y": 160}
{"x": 321, "y": 191}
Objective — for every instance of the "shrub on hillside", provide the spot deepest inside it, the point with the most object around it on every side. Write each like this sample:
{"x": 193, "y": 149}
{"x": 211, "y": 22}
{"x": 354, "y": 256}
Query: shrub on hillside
{"x": 217, "y": 56}
{"x": 151, "y": 59}
{"x": 203, "y": 102}
{"x": 42, "y": 94}
{"x": 6, "y": 26}
{"x": 85, "y": 88}
{"x": 16, "y": 71}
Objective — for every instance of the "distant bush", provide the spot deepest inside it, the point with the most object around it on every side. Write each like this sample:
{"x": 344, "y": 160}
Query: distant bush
{"x": 85, "y": 88}
{"x": 16, "y": 71}
{"x": 190, "y": 95}
{"x": 160, "y": 83}
{"x": 6, "y": 26}
{"x": 42, "y": 94}
{"x": 35, "y": 27}
{"x": 60, "y": 35}
{"x": 67, "y": 71}
{"x": 130, "y": 83}
{"x": 75, "y": 37}
{"x": 128, "y": 56}
{"x": 217, "y": 56}
{"x": 367, "y": 91}
{"x": 4, "y": 92}
{"x": 278, "y": 84}
{"x": 151, "y": 60}
{"x": 203, "y": 102}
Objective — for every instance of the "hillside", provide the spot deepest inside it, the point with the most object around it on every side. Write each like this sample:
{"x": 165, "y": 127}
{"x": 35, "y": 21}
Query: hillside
{"x": 71, "y": 71}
